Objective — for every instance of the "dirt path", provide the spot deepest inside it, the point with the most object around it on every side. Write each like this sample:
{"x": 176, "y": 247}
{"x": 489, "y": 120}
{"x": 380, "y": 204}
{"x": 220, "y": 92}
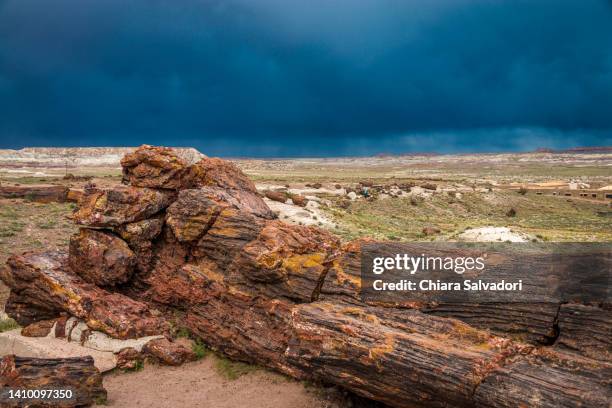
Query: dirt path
{"x": 199, "y": 385}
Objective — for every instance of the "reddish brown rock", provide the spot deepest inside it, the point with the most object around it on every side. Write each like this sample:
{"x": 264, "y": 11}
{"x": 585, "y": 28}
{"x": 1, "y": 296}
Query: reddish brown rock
{"x": 77, "y": 374}
{"x": 128, "y": 358}
{"x": 586, "y": 329}
{"x": 101, "y": 258}
{"x": 215, "y": 172}
{"x": 430, "y": 230}
{"x": 74, "y": 195}
{"x": 299, "y": 200}
{"x": 276, "y": 196}
{"x": 291, "y": 260}
{"x": 243, "y": 325}
{"x": 46, "y": 279}
{"x": 231, "y": 231}
{"x": 429, "y": 186}
{"x": 26, "y": 313}
{"x": 180, "y": 286}
{"x": 140, "y": 235}
{"x": 38, "y": 193}
{"x": 136, "y": 233}
{"x": 530, "y": 321}
{"x": 167, "y": 352}
{"x": 534, "y": 380}
{"x": 120, "y": 205}
{"x": 153, "y": 167}
{"x": 197, "y": 210}
{"x": 38, "y": 329}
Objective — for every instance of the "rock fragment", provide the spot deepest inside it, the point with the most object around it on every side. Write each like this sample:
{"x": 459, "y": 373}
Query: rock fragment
{"x": 101, "y": 258}
{"x": 120, "y": 205}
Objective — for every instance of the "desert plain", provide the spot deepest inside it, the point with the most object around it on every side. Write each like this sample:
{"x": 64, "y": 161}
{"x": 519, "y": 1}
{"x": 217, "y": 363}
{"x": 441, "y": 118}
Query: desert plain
{"x": 543, "y": 196}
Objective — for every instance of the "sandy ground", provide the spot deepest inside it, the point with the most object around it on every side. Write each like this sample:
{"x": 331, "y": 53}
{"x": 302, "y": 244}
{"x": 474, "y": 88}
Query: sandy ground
{"x": 199, "y": 385}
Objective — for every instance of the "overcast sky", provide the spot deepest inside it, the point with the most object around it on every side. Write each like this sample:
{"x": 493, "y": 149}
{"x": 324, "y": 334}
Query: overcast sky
{"x": 306, "y": 78}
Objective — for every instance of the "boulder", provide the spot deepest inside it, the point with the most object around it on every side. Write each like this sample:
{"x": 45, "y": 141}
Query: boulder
{"x": 215, "y": 172}
{"x": 168, "y": 353}
{"x": 195, "y": 211}
{"x": 276, "y": 196}
{"x": 140, "y": 235}
{"x": 288, "y": 260}
{"x": 129, "y": 358}
{"x": 120, "y": 205}
{"x": 101, "y": 258}
{"x": 429, "y": 186}
{"x": 430, "y": 230}
{"x": 299, "y": 200}
{"x": 153, "y": 167}
{"x": 38, "y": 329}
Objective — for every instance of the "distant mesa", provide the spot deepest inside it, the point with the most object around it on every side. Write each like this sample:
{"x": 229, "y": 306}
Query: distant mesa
{"x": 577, "y": 150}
{"x": 79, "y": 156}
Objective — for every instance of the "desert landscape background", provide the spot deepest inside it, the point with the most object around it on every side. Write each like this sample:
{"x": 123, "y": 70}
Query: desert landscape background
{"x": 518, "y": 197}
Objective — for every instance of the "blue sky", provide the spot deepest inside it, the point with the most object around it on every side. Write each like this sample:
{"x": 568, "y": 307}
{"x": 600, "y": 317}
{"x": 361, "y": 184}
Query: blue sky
{"x": 307, "y": 78}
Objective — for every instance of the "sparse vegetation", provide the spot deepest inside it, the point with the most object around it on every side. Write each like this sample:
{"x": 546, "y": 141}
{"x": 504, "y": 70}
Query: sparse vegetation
{"x": 232, "y": 370}
{"x": 199, "y": 349}
{"x": 551, "y": 218}
{"x": 8, "y": 324}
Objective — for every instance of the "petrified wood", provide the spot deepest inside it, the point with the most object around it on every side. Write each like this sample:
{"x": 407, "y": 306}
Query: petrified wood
{"x": 154, "y": 167}
{"x": 100, "y": 257}
{"x": 215, "y": 172}
{"x": 77, "y": 374}
{"x": 41, "y": 194}
{"x": 120, "y": 205}
{"x": 46, "y": 279}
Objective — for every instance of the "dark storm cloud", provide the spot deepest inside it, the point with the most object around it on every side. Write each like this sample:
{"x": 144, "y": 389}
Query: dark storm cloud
{"x": 280, "y": 77}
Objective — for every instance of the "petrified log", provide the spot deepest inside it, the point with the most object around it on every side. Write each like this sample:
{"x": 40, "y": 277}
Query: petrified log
{"x": 46, "y": 279}
{"x": 101, "y": 258}
{"x": 276, "y": 196}
{"x": 120, "y": 205}
{"x": 41, "y": 194}
{"x": 299, "y": 200}
{"x": 401, "y": 357}
{"x": 545, "y": 378}
{"x": 529, "y": 321}
{"x": 586, "y": 329}
{"x": 77, "y": 374}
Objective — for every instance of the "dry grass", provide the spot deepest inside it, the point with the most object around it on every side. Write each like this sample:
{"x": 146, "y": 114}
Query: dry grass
{"x": 549, "y": 218}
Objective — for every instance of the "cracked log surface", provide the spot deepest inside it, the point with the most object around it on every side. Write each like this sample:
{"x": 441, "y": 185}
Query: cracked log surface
{"x": 77, "y": 374}
{"x": 287, "y": 297}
